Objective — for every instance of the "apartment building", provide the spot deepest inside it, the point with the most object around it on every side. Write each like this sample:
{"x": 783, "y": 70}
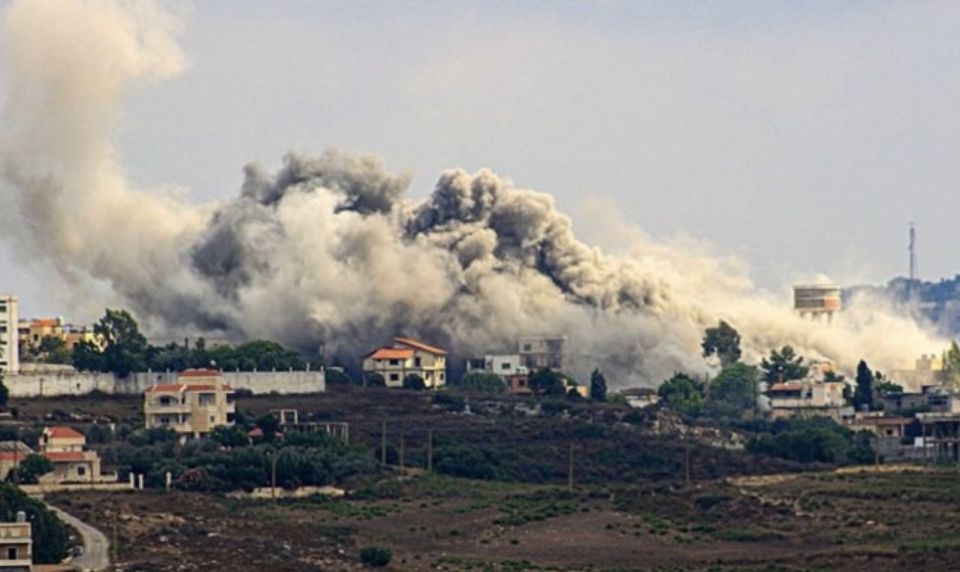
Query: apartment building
{"x": 31, "y": 332}
{"x": 538, "y": 352}
{"x": 405, "y": 357}
{"x": 9, "y": 350}
{"x": 198, "y": 402}
{"x": 806, "y": 398}
{"x": 16, "y": 545}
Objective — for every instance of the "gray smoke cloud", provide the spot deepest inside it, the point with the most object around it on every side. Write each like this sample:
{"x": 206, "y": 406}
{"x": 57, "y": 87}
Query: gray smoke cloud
{"x": 329, "y": 249}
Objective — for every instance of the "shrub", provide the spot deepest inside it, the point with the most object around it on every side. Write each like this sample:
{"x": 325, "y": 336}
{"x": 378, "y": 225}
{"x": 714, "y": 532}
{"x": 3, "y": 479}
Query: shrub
{"x": 375, "y": 556}
{"x": 482, "y": 382}
{"x": 414, "y": 382}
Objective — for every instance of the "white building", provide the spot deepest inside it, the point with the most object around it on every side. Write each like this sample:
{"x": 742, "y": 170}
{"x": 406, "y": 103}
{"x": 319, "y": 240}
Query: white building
{"x": 538, "y": 352}
{"x": 16, "y": 545}
{"x": 407, "y": 357}
{"x": 500, "y": 364}
{"x": 806, "y": 398}
{"x": 9, "y": 350}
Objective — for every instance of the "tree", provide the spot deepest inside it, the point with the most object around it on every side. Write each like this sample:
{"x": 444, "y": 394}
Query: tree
{"x": 733, "y": 392}
{"x": 682, "y": 394}
{"x": 230, "y": 436}
{"x": 482, "y": 382}
{"x": 124, "y": 347}
{"x": 87, "y": 357}
{"x": 886, "y": 387}
{"x": 30, "y": 469}
{"x": 598, "y": 386}
{"x": 50, "y": 536}
{"x": 375, "y": 556}
{"x": 863, "y": 394}
{"x": 375, "y": 379}
{"x": 336, "y": 376}
{"x": 547, "y": 382}
{"x": 783, "y": 365}
{"x": 950, "y": 374}
{"x": 414, "y": 381}
{"x": 722, "y": 341}
{"x": 269, "y": 424}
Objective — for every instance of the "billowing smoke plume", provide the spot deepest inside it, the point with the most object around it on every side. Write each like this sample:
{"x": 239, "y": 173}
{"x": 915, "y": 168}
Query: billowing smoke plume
{"x": 329, "y": 251}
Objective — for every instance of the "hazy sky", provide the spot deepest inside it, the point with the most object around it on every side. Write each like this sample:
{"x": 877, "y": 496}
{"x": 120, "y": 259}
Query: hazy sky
{"x": 801, "y": 137}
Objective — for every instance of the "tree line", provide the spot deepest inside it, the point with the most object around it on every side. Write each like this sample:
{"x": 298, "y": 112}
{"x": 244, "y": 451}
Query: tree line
{"x": 123, "y": 349}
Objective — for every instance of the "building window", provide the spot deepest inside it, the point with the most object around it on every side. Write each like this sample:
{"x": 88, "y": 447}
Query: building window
{"x": 505, "y": 365}
{"x": 81, "y": 471}
{"x": 441, "y": 376}
{"x": 394, "y": 362}
{"x": 416, "y": 362}
{"x": 213, "y": 419}
{"x": 527, "y": 347}
{"x": 164, "y": 401}
{"x": 12, "y": 553}
{"x": 394, "y": 377}
{"x": 164, "y": 420}
{"x": 208, "y": 398}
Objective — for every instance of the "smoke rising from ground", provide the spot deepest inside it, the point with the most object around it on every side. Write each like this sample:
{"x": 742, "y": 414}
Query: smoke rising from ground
{"x": 328, "y": 250}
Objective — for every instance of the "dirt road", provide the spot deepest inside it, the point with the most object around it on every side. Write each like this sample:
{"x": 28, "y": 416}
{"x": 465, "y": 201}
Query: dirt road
{"x": 96, "y": 548}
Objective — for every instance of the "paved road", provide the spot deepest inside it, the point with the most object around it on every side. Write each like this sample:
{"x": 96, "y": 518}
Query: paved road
{"x": 96, "y": 548}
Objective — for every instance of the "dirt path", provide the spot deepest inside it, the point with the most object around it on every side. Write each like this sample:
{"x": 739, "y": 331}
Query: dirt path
{"x": 96, "y": 548}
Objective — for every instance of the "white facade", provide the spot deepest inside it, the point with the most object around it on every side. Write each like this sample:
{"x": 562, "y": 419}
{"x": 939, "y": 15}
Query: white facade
{"x": 543, "y": 351}
{"x": 504, "y": 364}
{"x": 9, "y": 350}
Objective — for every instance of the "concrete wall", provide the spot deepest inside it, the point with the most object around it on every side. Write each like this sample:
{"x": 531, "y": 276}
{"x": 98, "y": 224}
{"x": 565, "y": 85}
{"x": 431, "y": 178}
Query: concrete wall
{"x": 53, "y": 384}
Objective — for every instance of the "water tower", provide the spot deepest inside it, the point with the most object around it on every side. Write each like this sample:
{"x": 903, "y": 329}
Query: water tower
{"x": 817, "y": 301}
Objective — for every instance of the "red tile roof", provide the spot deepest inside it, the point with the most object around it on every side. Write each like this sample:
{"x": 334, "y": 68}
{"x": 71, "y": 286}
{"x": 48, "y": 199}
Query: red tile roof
{"x": 419, "y": 345}
{"x": 200, "y": 373}
{"x": 65, "y": 456}
{"x": 61, "y": 432}
{"x": 11, "y": 457}
{"x": 44, "y": 323}
{"x": 392, "y": 353}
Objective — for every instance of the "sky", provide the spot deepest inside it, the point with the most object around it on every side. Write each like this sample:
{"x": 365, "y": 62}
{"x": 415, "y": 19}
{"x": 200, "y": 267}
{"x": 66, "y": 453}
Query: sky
{"x": 800, "y": 137}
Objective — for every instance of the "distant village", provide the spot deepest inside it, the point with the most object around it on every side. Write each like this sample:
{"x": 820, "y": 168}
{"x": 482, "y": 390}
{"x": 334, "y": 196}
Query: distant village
{"x": 905, "y": 416}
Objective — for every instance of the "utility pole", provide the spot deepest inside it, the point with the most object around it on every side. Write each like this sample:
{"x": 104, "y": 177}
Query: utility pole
{"x": 429, "y": 450}
{"x": 570, "y": 468}
{"x": 273, "y": 475}
{"x": 116, "y": 543}
{"x": 383, "y": 443}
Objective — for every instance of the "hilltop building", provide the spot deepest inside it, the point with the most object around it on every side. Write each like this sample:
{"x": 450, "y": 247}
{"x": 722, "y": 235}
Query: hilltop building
{"x": 16, "y": 545}
{"x": 198, "y": 402}
{"x": 30, "y": 333}
{"x": 538, "y": 352}
{"x": 9, "y": 349}
{"x": 807, "y": 398}
{"x": 66, "y": 449}
{"x": 508, "y": 366}
{"x": 817, "y": 300}
{"x": 407, "y": 357}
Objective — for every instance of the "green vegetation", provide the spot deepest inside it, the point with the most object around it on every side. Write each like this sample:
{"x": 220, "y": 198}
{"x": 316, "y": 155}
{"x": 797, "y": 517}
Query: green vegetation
{"x": 863, "y": 395}
{"x": 414, "y": 382}
{"x": 482, "y": 382}
{"x": 682, "y": 394}
{"x": 50, "y": 536}
{"x": 722, "y": 341}
{"x": 547, "y": 382}
{"x": 598, "y": 386}
{"x": 813, "y": 440}
{"x": 783, "y": 365}
{"x": 375, "y": 556}
{"x": 30, "y": 469}
{"x": 733, "y": 393}
{"x": 125, "y": 350}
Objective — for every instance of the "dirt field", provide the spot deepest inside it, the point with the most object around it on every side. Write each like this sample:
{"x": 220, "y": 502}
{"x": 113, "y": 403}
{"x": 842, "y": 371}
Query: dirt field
{"x": 808, "y": 522}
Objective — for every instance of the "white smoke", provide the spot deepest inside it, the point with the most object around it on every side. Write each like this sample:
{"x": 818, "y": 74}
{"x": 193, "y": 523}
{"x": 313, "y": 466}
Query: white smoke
{"x": 328, "y": 250}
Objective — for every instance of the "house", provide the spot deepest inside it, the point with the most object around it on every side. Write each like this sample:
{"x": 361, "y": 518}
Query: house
{"x": 30, "y": 333}
{"x": 880, "y": 426}
{"x": 198, "y": 402}
{"x": 806, "y": 398}
{"x": 538, "y": 352}
{"x": 16, "y": 545}
{"x": 72, "y": 463}
{"x": 508, "y": 366}
{"x": 406, "y": 357}
{"x": 9, "y": 350}
{"x": 640, "y": 397}
{"x": 11, "y": 454}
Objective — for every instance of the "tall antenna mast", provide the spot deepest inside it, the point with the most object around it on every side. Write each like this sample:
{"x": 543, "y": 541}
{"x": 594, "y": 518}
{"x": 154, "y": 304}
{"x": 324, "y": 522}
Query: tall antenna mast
{"x": 913, "y": 252}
